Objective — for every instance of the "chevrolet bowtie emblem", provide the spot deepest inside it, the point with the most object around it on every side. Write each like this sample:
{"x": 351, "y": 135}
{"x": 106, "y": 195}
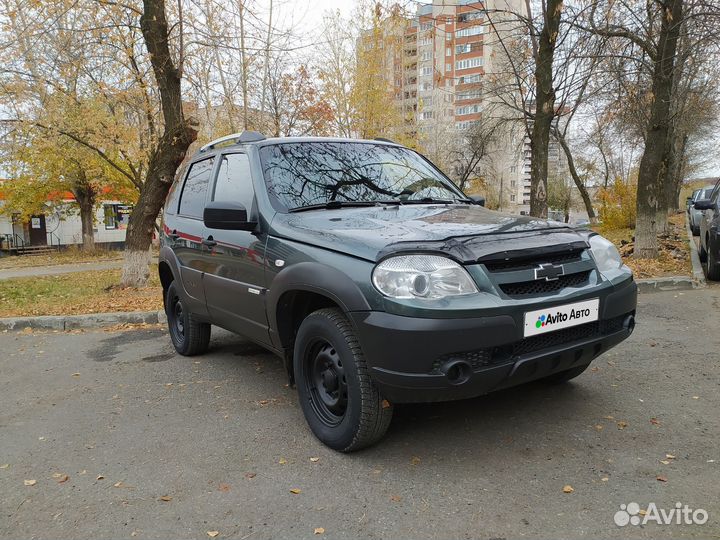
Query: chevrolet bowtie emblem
{"x": 549, "y": 271}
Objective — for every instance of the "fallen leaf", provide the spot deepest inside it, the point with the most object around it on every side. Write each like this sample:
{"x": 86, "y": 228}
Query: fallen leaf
{"x": 696, "y": 397}
{"x": 604, "y": 479}
{"x": 30, "y": 482}
{"x": 568, "y": 489}
{"x": 224, "y": 488}
{"x": 396, "y": 498}
{"x": 166, "y": 498}
{"x": 75, "y": 374}
{"x": 213, "y": 534}
{"x": 643, "y": 512}
{"x": 609, "y": 417}
{"x": 282, "y": 461}
{"x": 655, "y": 421}
{"x": 622, "y": 425}
{"x": 295, "y": 491}
{"x": 599, "y": 427}
{"x": 250, "y": 475}
{"x": 319, "y": 530}
{"x": 264, "y": 401}
{"x": 415, "y": 460}
{"x": 385, "y": 404}
{"x": 669, "y": 456}
{"x": 100, "y": 477}
{"x": 661, "y": 479}
{"x": 118, "y": 484}
{"x": 62, "y": 478}
{"x": 4, "y": 466}
{"x": 314, "y": 459}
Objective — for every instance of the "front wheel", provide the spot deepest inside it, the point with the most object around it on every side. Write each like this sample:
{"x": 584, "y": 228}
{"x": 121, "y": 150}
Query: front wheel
{"x": 340, "y": 402}
{"x": 188, "y": 335}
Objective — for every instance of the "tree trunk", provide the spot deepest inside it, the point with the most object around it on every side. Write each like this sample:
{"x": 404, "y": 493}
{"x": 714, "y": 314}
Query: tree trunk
{"x": 576, "y": 177}
{"x": 171, "y": 148}
{"x": 544, "y": 109}
{"x": 654, "y": 162}
{"x": 85, "y": 197}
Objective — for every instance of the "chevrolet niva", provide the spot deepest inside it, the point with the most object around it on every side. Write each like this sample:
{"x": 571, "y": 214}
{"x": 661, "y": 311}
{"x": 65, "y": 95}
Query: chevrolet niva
{"x": 377, "y": 280}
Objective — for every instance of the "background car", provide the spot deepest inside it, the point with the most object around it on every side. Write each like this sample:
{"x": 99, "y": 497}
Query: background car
{"x": 694, "y": 215}
{"x": 709, "y": 240}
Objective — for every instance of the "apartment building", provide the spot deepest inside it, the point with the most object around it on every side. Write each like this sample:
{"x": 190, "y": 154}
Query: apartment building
{"x": 438, "y": 76}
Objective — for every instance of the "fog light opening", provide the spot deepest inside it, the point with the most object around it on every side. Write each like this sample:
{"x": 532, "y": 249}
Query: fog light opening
{"x": 456, "y": 371}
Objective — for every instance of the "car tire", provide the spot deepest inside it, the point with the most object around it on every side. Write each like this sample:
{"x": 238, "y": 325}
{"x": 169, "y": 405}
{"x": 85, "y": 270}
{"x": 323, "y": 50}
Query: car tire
{"x": 565, "y": 376}
{"x": 702, "y": 253}
{"x": 189, "y": 336}
{"x": 695, "y": 230}
{"x": 713, "y": 266}
{"x": 340, "y": 402}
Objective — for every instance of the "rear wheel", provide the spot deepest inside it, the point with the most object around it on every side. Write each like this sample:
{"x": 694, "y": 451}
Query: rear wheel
{"x": 341, "y": 404}
{"x": 565, "y": 376}
{"x": 713, "y": 265}
{"x": 702, "y": 253}
{"x": 188, "y": 335}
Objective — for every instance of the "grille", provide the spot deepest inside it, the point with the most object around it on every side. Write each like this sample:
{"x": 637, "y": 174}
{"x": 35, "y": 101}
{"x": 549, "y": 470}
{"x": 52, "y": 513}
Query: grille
{"x": 530, "y": 263}
{"x": 527, "y": 288}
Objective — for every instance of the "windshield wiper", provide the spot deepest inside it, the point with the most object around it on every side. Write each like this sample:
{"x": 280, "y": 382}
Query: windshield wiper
{"x": 333, "y": 205}
{"x": 429, "y": 200}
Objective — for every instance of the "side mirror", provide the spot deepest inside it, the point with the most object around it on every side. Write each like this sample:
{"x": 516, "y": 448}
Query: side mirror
{"x": 704, "y": 204}
{"x": 478, "y": 199}
{"x": 227, "y": 215}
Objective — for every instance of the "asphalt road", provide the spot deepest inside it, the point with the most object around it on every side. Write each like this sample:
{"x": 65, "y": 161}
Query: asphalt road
{"x": 223, "y": 439}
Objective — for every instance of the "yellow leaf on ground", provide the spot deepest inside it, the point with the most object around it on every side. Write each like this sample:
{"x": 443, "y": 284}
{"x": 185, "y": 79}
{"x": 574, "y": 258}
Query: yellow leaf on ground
{"x": 661, "y": 479}
{"x": 664, "y": 462}
{"x": 4, "y": 466}
{"x": 415, "y": 460}
{"x": 669, "y": 456}
{"x": 282, "y": 461}
{"x": 62, "y": 478}
{"x": 622, "y": 425}
{"x": 319, "y": 530}
{"x": 295, "y": 491}
{"x": 100, "y": 477}
{"x": 568, "y": 489}
{"x": 30, "y": 482}
{"x": 396, "y": 498}
{"x": 213, "y": 534}
{"x": 166, "y": 498}
{"x": 314, "y": 459}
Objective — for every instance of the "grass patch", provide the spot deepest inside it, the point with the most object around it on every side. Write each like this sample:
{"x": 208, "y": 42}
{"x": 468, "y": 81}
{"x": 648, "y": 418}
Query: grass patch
{"x": 674, "y": 258}
{"x": 77, "y": 293}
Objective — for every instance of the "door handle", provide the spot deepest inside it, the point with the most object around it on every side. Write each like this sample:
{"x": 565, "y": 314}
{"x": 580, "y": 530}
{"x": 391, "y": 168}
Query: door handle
{"x": 209, "y": 242}
{"x": 173, "y": 235}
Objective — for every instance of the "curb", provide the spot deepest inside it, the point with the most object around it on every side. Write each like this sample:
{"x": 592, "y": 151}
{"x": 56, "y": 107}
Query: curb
{"x": 74, "y": 322}
{"x": 674, "y": 283}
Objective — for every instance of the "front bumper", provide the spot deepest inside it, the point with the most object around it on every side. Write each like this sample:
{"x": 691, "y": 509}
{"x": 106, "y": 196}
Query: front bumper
{"x": 410, "y": 359}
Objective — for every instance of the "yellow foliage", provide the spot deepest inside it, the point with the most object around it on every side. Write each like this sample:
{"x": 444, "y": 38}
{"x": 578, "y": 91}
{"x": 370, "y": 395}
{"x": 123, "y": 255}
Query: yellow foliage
{"x": 618, "y": 205}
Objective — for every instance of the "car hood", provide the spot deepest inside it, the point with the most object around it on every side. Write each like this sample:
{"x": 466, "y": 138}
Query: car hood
{"x": 460, "y": 231}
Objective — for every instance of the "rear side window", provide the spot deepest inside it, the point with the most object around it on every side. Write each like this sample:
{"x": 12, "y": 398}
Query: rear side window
{"x": 192, "y": 201}
{"x": 234, "y": 181}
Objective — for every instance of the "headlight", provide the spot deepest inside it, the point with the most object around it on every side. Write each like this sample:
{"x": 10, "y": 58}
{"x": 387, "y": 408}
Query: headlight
{"x": 422, "y": 276}
{"x": 606, "y": 255}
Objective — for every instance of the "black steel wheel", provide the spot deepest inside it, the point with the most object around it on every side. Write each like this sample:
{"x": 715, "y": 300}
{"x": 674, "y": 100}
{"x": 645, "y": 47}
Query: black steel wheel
{"x": 713, "y": 265}
{"x": 188, "y": 335}
{"x": 340, "y": 402}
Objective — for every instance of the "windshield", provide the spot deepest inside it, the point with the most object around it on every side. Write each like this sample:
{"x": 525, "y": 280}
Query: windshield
{"x": 317, "y": 173}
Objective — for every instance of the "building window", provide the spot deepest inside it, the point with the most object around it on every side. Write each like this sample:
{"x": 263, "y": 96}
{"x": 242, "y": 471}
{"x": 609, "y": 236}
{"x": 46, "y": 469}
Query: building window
{"x": 513, "y": 168}
{"x": 427, "y": 115}
{"x": 469, "y": 63}
{"x": 468, "y": 79}
{"x": 425, "y": 41}
{"x": 448, "y": 36}
{"x": 116, "y": 216}
{"x": 473, "y": 16}
{"x": 425, "y": 86}
{"x": 469, "y": 94}
{"x": 471, "y": 31}
{"x": 467, "y": 109}
{"x": 427, "y": 55}
{"x": 460, "y": 49}
{"x": 427, "y": 71}
{"x": 513, "y": 183}
{"x": 448, "y": 51}
{"x": 512, "y": 198}
{"x": 448, "y": 68}
{"x": 425, "y": 26}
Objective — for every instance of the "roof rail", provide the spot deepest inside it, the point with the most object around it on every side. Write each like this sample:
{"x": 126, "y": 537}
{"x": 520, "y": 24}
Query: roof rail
{"x": 383, "y": 139}
{"x": 236, "y": 138}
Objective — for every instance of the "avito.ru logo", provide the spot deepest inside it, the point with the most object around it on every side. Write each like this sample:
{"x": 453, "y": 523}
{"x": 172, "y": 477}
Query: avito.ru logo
{"x": 680, "y": 515}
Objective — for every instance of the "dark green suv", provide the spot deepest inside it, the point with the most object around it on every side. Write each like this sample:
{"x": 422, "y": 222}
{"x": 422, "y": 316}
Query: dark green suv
{"x": 377, "y": 281}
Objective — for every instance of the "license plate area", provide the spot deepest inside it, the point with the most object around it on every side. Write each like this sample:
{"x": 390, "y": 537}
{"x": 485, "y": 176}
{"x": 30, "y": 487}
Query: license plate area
{"x": 544, "y": 320}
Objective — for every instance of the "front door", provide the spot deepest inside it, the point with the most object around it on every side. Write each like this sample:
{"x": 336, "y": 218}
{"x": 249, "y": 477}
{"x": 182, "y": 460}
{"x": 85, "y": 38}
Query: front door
{"x": 235, "y": 278}
{"x": 37, "y": 231}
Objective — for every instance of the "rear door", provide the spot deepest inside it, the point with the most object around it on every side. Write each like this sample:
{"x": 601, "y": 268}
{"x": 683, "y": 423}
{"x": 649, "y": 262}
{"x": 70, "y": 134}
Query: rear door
{"x": 186, "y": 230}
{"x": 235, "y": 277}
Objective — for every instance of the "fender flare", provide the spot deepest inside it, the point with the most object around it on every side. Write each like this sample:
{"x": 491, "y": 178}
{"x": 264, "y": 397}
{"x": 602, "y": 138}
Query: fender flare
{"x": 317, "y": 278}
